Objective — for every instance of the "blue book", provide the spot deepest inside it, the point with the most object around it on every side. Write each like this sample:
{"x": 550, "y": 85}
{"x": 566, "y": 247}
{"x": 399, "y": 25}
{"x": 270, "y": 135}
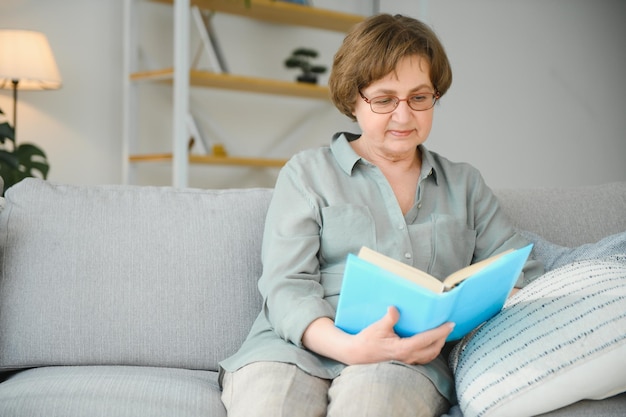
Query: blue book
{"x": 372, "y": 282}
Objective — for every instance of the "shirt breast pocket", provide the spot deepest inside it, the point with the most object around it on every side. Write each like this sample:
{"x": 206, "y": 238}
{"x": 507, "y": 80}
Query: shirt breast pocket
{"x": 453, "y": 245}
{"x": 345, "y": 229}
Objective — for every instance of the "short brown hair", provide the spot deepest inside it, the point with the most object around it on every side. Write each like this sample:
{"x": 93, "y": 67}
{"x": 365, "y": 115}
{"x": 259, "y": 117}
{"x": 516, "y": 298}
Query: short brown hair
{"x": 373, "y": 48}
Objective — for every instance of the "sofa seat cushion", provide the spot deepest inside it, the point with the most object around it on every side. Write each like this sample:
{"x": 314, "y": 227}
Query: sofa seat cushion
{"x": 105, "y": 391}
{"x": 609, "y": 407}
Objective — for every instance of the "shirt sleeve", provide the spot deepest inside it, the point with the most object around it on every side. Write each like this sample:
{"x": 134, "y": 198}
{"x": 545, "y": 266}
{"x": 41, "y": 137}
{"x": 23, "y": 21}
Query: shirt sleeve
{"x": 290, "y": 285}
{"x": 495, "y": 232}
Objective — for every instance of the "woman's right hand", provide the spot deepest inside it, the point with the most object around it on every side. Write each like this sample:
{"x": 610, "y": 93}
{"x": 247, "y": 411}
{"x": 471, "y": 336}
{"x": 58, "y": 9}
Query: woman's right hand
{"x": 379, "y": 342}
{"x": 376, "y": 343}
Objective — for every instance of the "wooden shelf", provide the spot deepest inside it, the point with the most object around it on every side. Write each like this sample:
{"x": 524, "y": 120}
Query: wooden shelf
{"x": 281, "y": 12}
{"x": 213, "y": 160}
{"x": 239, "y": 83}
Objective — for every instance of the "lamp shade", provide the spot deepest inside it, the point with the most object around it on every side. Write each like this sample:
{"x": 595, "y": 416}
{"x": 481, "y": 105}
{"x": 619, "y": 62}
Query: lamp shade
{"x": 26, "y": 58}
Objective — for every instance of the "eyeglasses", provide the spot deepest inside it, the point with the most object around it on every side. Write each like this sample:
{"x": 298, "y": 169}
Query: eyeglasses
{"x": 387, "y": 104}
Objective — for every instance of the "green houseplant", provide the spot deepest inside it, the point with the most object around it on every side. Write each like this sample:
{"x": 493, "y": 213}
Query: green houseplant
{"x": 19, "y": 161}
{"x": 301, "y": 58}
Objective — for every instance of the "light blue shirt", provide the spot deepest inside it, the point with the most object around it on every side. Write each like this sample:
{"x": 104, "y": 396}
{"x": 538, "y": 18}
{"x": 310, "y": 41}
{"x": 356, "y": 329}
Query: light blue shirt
{"x": 329, "y": 202}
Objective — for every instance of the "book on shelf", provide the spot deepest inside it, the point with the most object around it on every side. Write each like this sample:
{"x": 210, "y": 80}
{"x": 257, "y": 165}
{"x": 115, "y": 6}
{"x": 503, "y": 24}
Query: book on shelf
{"x": 372, "y": 282}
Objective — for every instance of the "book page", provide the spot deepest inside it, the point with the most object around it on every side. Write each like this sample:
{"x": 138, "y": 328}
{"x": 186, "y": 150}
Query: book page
{"x": 457, "y": 277}
{"x": 405, "y": 271}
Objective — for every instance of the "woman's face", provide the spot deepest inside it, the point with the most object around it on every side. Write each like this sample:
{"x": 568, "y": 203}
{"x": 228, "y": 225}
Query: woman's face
{"x": 395, "y": 135}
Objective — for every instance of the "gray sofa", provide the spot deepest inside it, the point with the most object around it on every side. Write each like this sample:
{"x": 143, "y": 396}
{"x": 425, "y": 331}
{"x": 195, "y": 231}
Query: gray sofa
{"x": 121, "y": 300}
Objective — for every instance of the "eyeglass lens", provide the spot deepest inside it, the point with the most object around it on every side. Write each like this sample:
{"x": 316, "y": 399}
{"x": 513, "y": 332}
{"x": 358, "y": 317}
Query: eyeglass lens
{"x": 387, "y": 104}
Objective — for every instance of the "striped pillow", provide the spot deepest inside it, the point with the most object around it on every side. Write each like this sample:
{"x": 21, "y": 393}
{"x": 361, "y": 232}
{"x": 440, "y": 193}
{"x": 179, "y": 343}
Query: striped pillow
{"x": 560, "y": 340}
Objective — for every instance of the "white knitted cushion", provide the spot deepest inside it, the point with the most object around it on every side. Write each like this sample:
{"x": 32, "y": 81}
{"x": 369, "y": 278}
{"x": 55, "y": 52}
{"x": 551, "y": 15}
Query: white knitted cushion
{"x": 560, "y": 340}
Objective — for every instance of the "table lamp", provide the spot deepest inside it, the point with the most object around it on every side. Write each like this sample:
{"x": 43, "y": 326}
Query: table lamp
{"x": 26, "y": 63}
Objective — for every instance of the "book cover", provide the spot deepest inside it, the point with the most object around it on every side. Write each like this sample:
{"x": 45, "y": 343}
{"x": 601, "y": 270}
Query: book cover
{"x": 368, "y": 290}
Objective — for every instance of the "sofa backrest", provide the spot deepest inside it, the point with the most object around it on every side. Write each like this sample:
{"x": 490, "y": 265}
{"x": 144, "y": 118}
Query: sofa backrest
{"x": 127, "y": 275}
{"x": 568, "y": 216}
{"x": 157, "y": 276}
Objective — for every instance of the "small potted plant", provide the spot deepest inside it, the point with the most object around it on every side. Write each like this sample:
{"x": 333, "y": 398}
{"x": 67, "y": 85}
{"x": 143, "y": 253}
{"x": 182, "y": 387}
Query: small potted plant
{"x": 301, "y": 58}
{"x": 19, "y": 162}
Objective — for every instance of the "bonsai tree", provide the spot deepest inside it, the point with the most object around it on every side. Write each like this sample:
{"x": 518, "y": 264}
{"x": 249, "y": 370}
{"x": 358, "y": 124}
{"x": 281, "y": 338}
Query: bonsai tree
{"x": 301, "y": 58}
{"x": 19, "y": 161}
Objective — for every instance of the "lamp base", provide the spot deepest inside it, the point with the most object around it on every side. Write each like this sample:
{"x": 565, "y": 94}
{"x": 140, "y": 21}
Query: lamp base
{"x": 15, "y": 83}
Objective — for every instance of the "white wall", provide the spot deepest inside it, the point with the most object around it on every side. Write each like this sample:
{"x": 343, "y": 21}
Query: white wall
{"x": 79, "y": 126}
{"x": 538, "y": 96}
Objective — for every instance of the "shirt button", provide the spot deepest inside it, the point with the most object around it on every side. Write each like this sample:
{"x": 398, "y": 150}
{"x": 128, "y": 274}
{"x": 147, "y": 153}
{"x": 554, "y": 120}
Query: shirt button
{"x": 419, "y": 205}
{"x": 408, "y": 255}
{"x": 401, "y": 227}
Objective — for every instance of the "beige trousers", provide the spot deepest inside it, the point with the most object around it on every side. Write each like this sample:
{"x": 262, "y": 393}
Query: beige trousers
{"x": 378, "y": 390}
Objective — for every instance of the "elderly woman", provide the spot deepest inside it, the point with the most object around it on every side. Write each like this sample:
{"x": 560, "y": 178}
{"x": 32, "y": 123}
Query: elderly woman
{"x": 382, "y": 189}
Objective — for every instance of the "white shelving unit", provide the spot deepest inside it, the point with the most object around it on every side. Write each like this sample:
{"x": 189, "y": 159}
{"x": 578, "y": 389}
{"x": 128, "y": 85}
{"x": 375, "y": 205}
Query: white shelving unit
{"x": 183, "y": 77}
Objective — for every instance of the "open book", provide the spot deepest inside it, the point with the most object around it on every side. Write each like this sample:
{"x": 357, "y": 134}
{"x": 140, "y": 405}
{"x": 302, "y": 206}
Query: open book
{"x": 372, "y": 282}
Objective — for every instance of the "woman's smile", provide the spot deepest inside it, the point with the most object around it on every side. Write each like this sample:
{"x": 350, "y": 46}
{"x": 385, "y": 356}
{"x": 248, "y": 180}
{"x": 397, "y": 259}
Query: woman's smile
{"x": 402, "y": 133}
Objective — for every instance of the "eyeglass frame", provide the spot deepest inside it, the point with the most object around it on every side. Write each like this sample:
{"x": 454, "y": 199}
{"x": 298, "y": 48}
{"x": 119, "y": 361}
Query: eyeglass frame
{"x": 436, "y": 96}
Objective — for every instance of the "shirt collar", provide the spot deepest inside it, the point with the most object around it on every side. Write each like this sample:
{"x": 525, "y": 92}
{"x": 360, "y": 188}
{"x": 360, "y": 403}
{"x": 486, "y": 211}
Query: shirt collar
{"x": 343, "y": 152}
{"x": 347, "y": 158}
{"x": 428, "y": 165}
